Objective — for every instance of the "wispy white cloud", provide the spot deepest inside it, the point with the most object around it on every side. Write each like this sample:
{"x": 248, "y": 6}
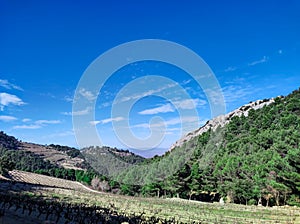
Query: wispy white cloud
{"x": 184, "y": 82}
{"x": 105, "y": 104}
{"x": 6, "y": 99}
{"x": 78, "y": 113}
{"x": 95, "y": 122}
{"x": 68, "y": 99}
{"x": 146, "y": 93}
{"x": 87, "y": 94}
{"x": 234, "y": 93}
{"x": 138, "y": 95}
{"x": 236, "y": 81}
{"x": 108, "y": 120}
{"x": 214, "y": 96}
{"x": 204, "y": 76}
{"x": 66, "y": 133}
{"x": 36, "y": 124}
{"x": 188, "y": 104}
{"x": 7, "y": 85}
{"x": 186, "y": 119}
{"x": 48, "y": 95}
{"x": 42, "y": 122}
{"x": 146, "y": 125}
{"x": 170, "y": 122}
{"x": 7, "y": 118}
{"x": 161, "y": 109}
{"x": 62, "y": 134}
{"x": 263, "y": 60}
{"x": 230, "y": 69}
{"x": 32, "y": 126}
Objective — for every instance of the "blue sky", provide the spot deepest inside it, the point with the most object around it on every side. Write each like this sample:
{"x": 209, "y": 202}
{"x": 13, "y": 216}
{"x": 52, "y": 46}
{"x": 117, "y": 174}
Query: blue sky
{"x": 251, "y": 46}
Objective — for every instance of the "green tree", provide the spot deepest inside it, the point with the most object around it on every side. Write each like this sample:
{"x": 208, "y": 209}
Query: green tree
{"x": 6, "y": 165}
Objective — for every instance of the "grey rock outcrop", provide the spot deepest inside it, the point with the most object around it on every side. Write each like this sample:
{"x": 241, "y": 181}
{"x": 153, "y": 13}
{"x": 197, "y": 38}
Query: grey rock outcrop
{"x": 223, "y": 120}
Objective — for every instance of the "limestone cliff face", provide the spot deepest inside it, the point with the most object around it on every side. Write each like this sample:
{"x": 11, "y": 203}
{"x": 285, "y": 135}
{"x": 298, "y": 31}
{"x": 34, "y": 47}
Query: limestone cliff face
{"x": 222, "y": 120}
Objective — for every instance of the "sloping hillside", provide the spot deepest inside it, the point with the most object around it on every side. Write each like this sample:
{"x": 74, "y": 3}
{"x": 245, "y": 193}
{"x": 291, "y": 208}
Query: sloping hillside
{"x": 42, "y": 180}
{"x": 67, "y": 157}
{"x": 8, "y": 142}
{"x": 222, "y": 120}
{"x": 253, "y": 157}
{"x": 105, "y": 160}
{"x": 52, "y": 160}
{"x": 56, "y": 155}
{"x": 110, "y": 161}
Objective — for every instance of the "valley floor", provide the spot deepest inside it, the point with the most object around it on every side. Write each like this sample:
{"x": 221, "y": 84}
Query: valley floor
{"x": 61, "y": 201}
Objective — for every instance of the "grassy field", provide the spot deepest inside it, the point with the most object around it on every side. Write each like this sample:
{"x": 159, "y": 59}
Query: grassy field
{"x": 136, "y": 209}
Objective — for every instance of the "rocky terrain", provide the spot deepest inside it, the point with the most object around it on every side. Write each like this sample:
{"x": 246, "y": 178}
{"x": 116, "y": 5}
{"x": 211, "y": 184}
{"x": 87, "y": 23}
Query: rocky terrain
{"x": 222, "y": 120}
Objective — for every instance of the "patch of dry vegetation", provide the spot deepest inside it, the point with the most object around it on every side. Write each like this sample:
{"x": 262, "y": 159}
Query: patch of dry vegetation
{"x": 54, "y": 156}
{"x": 138, "y": 210}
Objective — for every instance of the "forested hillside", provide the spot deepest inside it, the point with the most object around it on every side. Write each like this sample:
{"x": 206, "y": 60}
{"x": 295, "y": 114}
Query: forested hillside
{"x": 251, "y": 159}
{"x": 66, "y": 162}
{"x": 110, "y": 161}
{"x": 8, "y": 142}
{"x": 31, "y": 157}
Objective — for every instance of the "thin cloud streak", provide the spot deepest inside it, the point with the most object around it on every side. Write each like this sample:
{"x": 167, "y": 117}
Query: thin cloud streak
{"x": 235, "y": 93}
{"x": 78, "y": 113}
{"x": 108, "y": 120}
{"x": 41, "y": 122}
{"x": 263, "y": 60}
{"x": 170, "y": 122}
{"x": 32, "y": 126}
{"x": 7, "y": 85}
{"x": 7, "y": 118}
{"x": 36, "y": 124}
{"x": 230, "y": 69}
{"x": 189, "y": 104}
{"x": 147, "y": 93}
{"x": 186, "y": 104}
{"x": 162, "y": 109}
{"x": 87, "y": 94}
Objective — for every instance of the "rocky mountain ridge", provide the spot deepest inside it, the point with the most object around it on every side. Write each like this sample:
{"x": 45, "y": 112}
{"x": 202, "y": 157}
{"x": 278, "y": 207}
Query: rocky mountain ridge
{"x": 222, "y": 120}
